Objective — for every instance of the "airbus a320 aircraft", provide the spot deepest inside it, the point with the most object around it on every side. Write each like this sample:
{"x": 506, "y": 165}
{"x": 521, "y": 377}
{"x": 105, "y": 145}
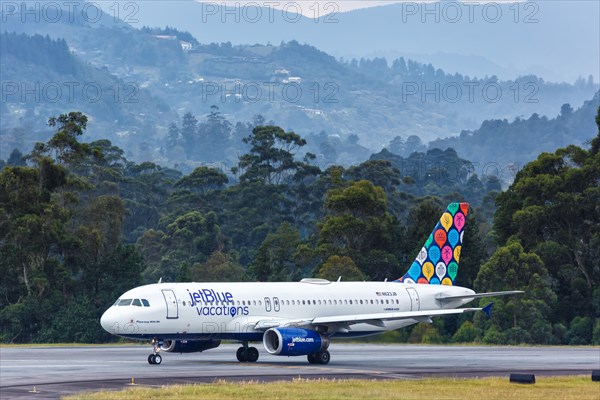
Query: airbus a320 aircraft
{"x": 297, "y": 318}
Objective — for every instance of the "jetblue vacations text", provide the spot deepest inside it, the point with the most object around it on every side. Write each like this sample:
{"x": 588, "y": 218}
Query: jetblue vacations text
{"x": 205, "y": 301}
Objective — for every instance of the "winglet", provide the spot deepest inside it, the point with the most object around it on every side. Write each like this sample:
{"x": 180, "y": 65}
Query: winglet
{"x": 488, "y": 310}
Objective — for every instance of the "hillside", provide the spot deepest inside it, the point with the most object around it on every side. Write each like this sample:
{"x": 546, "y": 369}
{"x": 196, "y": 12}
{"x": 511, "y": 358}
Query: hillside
{"x": 556, "y": 40}
{"x": 500, "y": 143}
{"x": 42, "y": 77}
{"x": 294, "y": 85}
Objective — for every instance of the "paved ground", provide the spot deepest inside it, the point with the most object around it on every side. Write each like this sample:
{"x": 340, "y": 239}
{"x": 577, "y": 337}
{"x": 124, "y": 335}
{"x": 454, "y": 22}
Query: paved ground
{"x": 56, "y": 371}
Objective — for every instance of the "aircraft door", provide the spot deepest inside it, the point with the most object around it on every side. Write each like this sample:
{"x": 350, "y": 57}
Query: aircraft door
{"x": 415, "y": 303}
{"x": 172, "y": 306}
{"x": 268, "y": 304}
{"x": 276, "y": 304}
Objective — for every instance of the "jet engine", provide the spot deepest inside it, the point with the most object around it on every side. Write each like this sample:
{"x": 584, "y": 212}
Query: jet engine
{"x": 294, "y": 341}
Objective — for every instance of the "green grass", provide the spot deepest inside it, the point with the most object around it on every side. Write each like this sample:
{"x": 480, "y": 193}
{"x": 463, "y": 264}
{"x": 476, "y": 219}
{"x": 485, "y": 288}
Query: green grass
{"x": 578, "y": 387}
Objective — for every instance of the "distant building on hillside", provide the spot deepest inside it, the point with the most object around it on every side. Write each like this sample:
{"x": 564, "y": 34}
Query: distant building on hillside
{"x": 185, "y": 46}
{"x": 165, "y": 37}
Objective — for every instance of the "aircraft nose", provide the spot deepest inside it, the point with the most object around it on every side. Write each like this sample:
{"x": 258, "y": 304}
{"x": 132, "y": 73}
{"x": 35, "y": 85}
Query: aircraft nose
{"x": 109, "y": 322}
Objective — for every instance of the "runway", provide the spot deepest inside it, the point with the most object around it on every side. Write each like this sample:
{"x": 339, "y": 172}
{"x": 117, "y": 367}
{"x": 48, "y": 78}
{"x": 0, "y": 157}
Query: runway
{"x": 57, "y": 371}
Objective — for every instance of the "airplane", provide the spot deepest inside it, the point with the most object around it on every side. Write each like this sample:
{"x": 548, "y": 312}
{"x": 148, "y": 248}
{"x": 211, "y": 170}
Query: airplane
{"x": 298, "y": 318}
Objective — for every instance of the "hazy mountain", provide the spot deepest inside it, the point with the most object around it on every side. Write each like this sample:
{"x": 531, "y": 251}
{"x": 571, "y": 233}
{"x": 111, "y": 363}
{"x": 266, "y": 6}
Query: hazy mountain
{"x": 364, "y": 103}
{"x": 500, "y": 147}
{"x": 557, "y": 40}
{"x": 42, "y": 78}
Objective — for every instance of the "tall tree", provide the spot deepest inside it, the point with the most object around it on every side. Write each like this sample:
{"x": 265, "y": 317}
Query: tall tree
{"x": 272, "y": 155}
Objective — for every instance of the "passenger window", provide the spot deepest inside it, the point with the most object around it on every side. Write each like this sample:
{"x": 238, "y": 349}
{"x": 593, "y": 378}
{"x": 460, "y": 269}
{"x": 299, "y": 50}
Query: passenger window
{"x": 124, "y": 302}
{"x": 371, "y": 301}
{"x": 335, "y": 302}
{"x": 350, "y": 302}
{"x": 303, "y": 302}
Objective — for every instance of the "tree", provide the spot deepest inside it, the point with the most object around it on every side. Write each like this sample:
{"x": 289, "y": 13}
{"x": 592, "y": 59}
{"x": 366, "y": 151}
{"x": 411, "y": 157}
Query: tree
{"x": 16, "y": 159}
{"x": 64, "y": 145}
{"x": 189, "y": 134}
{"x": 214, "y": 136}
{"x": 271, "y": 157}
{"x": 357, "y": 225}
{"x": 173, "y": 137}
{"x": 218, "y": 268}
{"x": 203, "y": 179}
{"x": 523, "y": 318}
{"x": 379, "y": 172}
{"x": 274, "y": 259}
{"x": 335, "y": 267}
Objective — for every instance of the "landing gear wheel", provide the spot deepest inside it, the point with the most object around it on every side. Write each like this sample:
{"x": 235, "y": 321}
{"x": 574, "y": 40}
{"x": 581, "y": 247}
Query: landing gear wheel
{"x": 157, "y": 359}
{"x": 323, "y": 357}
{"x": 151, "y": 359}
{"x": 241, "y": 354}
{"x": 252, "y": 354}
{"x": 312, "y": 358}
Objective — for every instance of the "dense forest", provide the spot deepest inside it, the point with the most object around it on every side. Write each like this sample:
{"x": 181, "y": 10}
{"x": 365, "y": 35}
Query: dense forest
{"x": 80, "y": 224}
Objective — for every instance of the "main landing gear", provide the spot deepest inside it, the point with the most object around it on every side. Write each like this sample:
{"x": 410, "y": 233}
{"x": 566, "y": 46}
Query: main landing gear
{"x": 155, "y": 358}
{"x": 247, "y": 354}
{"x": 321, "y": 357}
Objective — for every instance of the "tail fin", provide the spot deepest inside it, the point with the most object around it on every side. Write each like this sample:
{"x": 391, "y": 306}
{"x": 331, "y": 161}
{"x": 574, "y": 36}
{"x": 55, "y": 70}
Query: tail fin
{"x": 437, "y": 262}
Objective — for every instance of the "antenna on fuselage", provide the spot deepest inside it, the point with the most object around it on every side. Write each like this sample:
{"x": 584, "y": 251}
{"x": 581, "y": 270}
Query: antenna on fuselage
{"x": 339, "y": 279}
{"x": 160, "y": 280}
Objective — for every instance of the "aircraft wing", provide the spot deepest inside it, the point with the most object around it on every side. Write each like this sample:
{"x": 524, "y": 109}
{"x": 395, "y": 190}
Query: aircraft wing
{"x": 373, "y": 319}
{"x": 376, "y": 319}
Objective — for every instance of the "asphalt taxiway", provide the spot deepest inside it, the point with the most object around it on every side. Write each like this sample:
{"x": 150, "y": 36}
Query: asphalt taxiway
{"x": 57, "y": 371}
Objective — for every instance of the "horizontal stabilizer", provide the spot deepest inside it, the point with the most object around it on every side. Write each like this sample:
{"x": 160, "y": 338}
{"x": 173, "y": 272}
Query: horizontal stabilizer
{"x": 478, "y": 295}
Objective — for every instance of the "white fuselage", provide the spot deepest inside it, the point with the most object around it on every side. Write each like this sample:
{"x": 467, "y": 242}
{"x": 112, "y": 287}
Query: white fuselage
{"x": 204, "y": 310}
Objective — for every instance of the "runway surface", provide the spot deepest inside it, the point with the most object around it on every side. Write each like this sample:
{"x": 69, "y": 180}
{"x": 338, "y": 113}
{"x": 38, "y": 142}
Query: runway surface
{"x": 57, "y": 371}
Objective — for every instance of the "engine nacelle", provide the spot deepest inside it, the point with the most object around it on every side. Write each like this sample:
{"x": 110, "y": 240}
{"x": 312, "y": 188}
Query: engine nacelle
{"x": 188, "y": 346}
{"x": 294, "y": 341}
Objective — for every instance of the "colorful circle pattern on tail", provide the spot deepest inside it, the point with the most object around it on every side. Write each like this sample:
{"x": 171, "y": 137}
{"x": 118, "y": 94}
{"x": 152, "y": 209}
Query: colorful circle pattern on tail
{"x": 441, "y": 249}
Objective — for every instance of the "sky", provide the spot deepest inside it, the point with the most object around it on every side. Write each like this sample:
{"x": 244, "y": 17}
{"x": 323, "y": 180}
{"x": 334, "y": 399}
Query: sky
{"x": 311, "y": 8}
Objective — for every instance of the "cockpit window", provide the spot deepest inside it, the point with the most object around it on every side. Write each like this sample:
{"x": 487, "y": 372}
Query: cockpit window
{"x": 137, "y": 302}
{"x": 145, "y": 303}
{"x": 124, "y": 302}
{"x": 116, "y": 302}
